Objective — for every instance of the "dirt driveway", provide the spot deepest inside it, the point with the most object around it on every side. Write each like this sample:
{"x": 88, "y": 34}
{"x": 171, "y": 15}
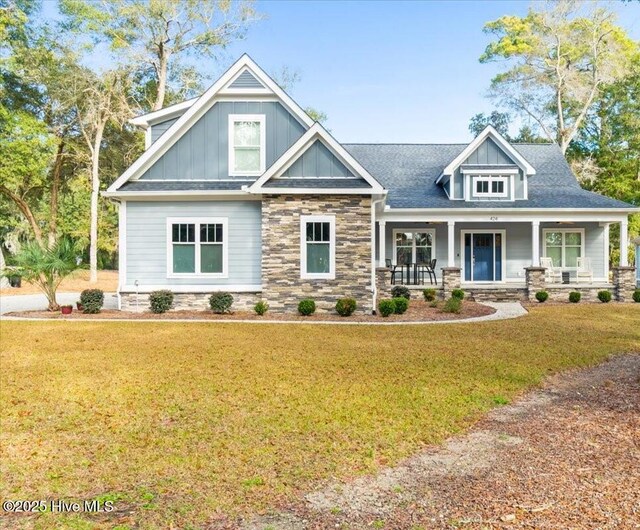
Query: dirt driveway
{"x": 565, "y": 456}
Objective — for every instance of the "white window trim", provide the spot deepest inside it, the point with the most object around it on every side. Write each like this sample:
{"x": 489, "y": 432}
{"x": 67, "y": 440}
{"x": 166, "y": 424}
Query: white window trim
{"x": 304, "y": 219}
{"x": 503, "y": 275}
{"x": 224, "y": 221}
{"x": 581, "y": 231}
{"x": 490, "y": 179}
{"x": 233, "y": 118}
{"x": 413, "y": 252}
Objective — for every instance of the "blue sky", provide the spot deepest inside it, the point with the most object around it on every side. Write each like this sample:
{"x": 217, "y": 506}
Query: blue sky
{"x": 386, "y": 71}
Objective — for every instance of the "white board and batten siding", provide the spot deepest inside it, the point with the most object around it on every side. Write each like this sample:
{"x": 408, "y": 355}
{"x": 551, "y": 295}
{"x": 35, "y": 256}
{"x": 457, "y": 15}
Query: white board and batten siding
{"x": 146, "y": 230}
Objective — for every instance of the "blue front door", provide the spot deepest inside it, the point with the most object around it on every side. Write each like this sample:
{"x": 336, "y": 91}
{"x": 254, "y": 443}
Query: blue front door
{"x": 483, "y": 257}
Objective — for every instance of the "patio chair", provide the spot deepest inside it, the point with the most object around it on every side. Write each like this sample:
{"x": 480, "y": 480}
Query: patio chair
{"x": 553, "y": 274}
{"x": 393, "y": 269}
{"x": 431, "y": 271}
{"x": 584, "y": 271}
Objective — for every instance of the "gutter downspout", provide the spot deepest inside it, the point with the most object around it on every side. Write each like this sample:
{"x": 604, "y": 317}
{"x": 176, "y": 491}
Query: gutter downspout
{"x": 373, "y": 251}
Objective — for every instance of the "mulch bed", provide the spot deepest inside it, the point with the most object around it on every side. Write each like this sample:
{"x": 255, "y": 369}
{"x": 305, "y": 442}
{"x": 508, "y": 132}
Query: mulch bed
{"x": 419, "y": 311}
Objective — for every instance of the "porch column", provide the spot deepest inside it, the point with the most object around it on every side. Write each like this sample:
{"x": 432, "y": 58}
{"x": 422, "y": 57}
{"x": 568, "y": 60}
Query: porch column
{"x": 451, "y": 257}
{"x": 624, "y": 243}
{"x": 382, "y": 237}
{"x": 535, "y": 243}
{"x": 607, "y": 250}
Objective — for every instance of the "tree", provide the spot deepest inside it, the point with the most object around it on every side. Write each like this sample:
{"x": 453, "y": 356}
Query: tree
{"x": 287, "y": 78}
{"x": 101, "y": 100}
{"x": 560, "y": 60}
{"x": 160, "y": 34}
{"x": 499, "y": 120}
{"x": 45, "y": 267}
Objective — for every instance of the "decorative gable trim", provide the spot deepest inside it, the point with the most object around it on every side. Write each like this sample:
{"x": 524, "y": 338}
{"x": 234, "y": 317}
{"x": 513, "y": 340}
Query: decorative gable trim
{"x": 199, "y": 107}
{"x": 316, "y": 133}
{"x": 488, "y": 132}
{"x": 245, "y": 79}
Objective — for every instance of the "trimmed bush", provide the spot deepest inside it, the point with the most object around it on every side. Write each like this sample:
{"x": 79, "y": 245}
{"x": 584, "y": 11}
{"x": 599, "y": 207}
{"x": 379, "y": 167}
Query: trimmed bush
{"x": 161, "y": 301}
{"x": 221, "y": 302}
{"x": 574, "y": 297}
{"x": 457, "y": 293}
{"x": 307, "y": 307}
{"x": 636, "y": 296}
{"x": 261, "y": 307}
{"x": 345, "y": 307}
{"x": 91, "y": 300}
{"x": 604, "y": 296}
{"x": 542, "y": 296}
{"x": 400, "y": 291}
{"x": 452, "y": 305}
{"x": 401, "y": 305}
{"x": 429, "y": 295}
{"x": 387, "y": 307}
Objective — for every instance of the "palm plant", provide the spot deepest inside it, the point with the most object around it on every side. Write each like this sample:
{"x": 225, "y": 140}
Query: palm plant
{"x": 45, "y": 267}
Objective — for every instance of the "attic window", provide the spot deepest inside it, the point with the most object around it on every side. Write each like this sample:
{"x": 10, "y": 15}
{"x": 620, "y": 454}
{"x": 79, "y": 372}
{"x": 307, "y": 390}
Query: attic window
{"x": 490, "y": 185}
{"x": 246, "y": 144}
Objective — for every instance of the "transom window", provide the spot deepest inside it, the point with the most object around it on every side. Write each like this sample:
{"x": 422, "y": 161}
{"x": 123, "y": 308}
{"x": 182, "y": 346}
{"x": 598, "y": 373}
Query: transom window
{"x": 413, "y": 246}
{"x": 564, "y": 247}
{"x": 317, "y": 246}
{"x": 197, "y": 247}
{"x": 246, "y": 144}
{"x": 490, "y": 185}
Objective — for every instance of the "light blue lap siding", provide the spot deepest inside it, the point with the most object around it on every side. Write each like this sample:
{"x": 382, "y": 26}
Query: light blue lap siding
{"x": 202, "y": 153}
{"x": 147, "y": 241}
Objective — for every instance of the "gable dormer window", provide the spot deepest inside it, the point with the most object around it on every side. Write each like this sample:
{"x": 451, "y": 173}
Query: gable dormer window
{"x": 490, "y": 185}
{"x": 246, "y": 144}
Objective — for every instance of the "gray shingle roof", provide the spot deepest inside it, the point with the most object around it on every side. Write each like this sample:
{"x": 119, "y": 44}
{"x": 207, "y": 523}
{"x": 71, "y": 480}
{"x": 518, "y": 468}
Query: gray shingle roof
{"x": 409, "y": 172}
{"x": 183, "y": 185}
{"x": 320, "y": 183}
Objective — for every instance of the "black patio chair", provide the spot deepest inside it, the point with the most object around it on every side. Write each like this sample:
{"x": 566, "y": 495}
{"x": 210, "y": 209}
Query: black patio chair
{"x": 431, "y": 271}
{"x": 392, "y": 269}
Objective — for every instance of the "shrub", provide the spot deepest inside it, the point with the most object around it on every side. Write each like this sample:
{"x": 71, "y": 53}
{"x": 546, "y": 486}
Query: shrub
{"x": 387, "y": 307}
{"x": 457, "y": 293}
{"x": 434, "y": 303}
{"x": 452, "y": 305}
{"x": 220, "y": 302}
{"x": 542, "y": 296}
{"x": 91, "y": 300}
{"x": 345, "y": 307}
{"x": 429, "y": 295}
{"x": 400, "y": 291}
{"x": 574, "y": 297}
{"x": 401, "y": 305}
{"x": 307, "y": 307}
{"x": 161, "y": 301}
{"x": 604, "y": 296}
{"x": 261, "y": 307}
{"x": 636, "y": 295}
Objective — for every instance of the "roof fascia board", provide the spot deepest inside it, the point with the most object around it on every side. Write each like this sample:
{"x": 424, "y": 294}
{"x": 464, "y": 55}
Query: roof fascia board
{"x": 524, "y": 211}
{"x": 163, "y": 114}
{"x": 488, "y": 132}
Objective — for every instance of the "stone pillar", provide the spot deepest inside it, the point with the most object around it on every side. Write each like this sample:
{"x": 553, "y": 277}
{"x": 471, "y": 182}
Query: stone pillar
{"x": 450, "y": 280}
{"x": 624, "y": 283}
{"x": 383, "y": 285}
{"x": 535, "y": 281}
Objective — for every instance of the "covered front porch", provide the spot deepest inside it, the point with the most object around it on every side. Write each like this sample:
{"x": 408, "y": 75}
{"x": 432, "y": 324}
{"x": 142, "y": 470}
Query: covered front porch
{"x": 490, "y": 254}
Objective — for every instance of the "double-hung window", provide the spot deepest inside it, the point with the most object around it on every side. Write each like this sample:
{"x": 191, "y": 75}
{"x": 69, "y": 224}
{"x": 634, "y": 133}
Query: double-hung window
{"x": 317, "y": 246}
{"x": 490, "y": 186}
{"x": 197, "y": 247}
{"x": 413, "y": 246}
{"x": 246, "y": 144}
{"x": 564, "y": 247}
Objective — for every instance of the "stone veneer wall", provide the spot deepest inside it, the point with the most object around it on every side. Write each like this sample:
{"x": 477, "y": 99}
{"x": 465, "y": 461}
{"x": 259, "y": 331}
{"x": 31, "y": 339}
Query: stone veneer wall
{"x": 196, "y": 301}
{"x": 624, "y": 279}
{"x": 282, "y": 286}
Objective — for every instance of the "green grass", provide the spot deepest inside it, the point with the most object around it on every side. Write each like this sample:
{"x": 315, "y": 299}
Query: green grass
{"x": 181, "y": 423}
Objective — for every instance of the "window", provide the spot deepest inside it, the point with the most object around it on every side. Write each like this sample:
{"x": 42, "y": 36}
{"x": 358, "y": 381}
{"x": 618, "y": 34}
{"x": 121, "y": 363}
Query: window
{"x": 246, "y": 144}
{"x": 317, "y": 246}
{"x": 564, "y": 247}
{"x": 490, "y": 185}
{"x": 196, "y": 247}
{"x": 413, "y": 246}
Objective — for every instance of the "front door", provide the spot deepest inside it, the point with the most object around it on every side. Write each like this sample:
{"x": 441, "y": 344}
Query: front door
{"x": 483, "y": 257}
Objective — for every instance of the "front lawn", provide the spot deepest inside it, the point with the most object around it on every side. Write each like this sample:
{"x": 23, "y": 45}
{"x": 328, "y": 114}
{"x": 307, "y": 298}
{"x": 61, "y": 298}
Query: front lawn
{"x": 183, "y": 424}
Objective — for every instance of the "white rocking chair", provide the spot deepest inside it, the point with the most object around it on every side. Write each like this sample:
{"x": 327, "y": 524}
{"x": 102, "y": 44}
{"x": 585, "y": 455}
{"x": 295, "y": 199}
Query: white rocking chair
{"x": 584, "y": 271}
{"x": 552, "y": 273}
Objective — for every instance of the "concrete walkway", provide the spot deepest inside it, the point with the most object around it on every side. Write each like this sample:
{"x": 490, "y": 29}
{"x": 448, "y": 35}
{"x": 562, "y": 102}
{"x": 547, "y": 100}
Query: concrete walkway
{"x": 33, "y": 302}
{"x": 38, "y": 302}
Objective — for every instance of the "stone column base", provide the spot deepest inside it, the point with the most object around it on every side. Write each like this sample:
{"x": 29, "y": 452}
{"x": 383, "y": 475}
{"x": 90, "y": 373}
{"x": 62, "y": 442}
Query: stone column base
{"x": 451, "y": 279}
{"x": 624, "y": 283}
{"x": 535, "y": 280}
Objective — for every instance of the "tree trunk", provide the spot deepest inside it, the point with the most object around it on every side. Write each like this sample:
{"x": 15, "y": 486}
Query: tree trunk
{"x": 55, "y": 190}
{"x": 95, "y": 193}
{"x": 162, "y": 80}
{"x": 26, "y": 211}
